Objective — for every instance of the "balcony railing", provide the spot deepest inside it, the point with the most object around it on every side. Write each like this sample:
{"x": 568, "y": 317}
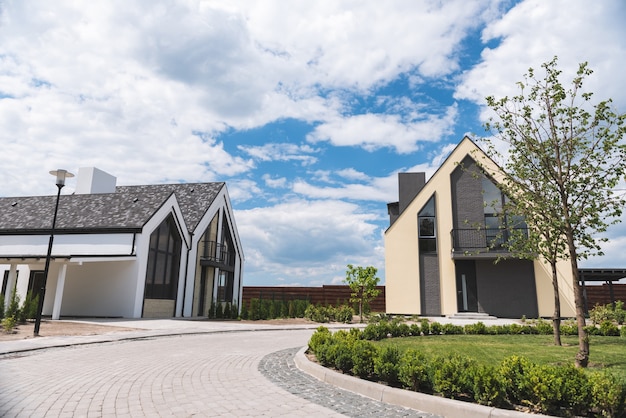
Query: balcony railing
{"x": 217, "y": 254}
{"x": 485, "y": 239}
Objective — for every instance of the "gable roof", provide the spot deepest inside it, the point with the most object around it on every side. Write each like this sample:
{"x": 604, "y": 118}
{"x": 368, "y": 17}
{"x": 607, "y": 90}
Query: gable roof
{"x": 129, "y": 208}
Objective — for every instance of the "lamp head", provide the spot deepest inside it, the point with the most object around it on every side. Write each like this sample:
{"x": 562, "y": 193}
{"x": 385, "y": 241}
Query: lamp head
{"x": 61, "y": 175}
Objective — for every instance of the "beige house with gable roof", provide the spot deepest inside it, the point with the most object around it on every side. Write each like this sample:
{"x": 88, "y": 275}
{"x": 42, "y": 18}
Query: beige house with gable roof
{"x": 440, "y": 257}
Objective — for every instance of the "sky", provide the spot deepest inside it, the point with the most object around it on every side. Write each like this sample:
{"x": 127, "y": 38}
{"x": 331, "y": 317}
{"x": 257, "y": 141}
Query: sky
{"x": 306, "y": 109}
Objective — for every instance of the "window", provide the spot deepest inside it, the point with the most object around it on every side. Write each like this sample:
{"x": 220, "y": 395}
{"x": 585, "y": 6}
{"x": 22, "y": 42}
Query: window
{"x": 163, "y": 261}
{"x": 497, "y": 225}
{"x": 225, "y": 286}
{"x": 426, "y": 220}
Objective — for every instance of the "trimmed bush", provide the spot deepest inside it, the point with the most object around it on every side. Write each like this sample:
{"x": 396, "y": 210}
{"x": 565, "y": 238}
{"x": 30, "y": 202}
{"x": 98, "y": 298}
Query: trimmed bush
{"x": 452, "y": 375}
{"x": 476, "y": 329}
{"x": 416, "y": 330}
{"x": 387, "y": 365}
{"x": 488, "y": 387}
{"x": 414, "y": 372}
{"x": 451, "y": 329}
{"x": 513, "y": 371}
{"x": 436, "y": 328}
{"x": 608, "y": 394}
{"x": 609, "y": 329}
{"x": 364, "y": 353}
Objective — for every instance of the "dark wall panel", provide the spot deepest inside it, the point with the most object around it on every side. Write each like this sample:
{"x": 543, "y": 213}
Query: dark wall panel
{"x": 507, "y": 289}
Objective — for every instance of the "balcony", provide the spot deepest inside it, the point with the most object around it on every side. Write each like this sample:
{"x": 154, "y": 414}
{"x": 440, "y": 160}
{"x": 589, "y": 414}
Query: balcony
{"x": 488, "y": 243}
{"x": 215, "y": 254}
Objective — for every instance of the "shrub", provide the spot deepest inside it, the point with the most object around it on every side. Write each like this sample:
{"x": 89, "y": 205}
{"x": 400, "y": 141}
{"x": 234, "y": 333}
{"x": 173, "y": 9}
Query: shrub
{"x": 436, "y": 328}
{"x": 341, "y": 350}
{"x": 387, "y": 365}
{"x": 321, "y": 336}
{"x": 1, "y": 306}
{"x": 544, "y": 327}
{"x": 608, "y": 394}
{"x": 452, "y": 375}
{"x": 553, "y": 389}
{"x": 513, "y": 371}
{"x": 316, "y": 313}
{"x": 569, "y": 327}
{"x": 13, "y": 310}
{"x": 364, "y": 353}
{"x": 609, "y": 329}
{"x": 416, "y": 330}
{"x": 601, "y": 313}
{"x": 8, "y": 323}
{"x": 451, "y": 329}
{"x": 376, "y": 331}
{"x": 244, "y": 311}
{"x": 425, "y": 326}
{"x": 29, "y": 309}
{"x": 414, "y": 371}
{"x": 622, "y": 331}
{"x": 344, "y": 314}
{"x": 478, "y": 328}
{"x": 488, "y": 387}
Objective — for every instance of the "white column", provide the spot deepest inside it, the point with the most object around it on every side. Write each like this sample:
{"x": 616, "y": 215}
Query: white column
{"x": 58, "y": 295}
{"x": 11, "y": 282}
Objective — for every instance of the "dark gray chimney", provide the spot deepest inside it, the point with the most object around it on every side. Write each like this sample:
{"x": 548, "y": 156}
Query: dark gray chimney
{"x": 409, "y": 185}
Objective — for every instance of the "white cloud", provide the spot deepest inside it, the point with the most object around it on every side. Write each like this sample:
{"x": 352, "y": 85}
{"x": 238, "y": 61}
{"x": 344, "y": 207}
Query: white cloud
{"x": 281, "y": 152}
{"x": 308, "y": 240}
{"x": 375, "y": 131}
{"x": 534, "y": 31}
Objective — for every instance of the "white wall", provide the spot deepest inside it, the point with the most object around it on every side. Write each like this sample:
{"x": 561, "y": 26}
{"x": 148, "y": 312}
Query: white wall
{"x": 95, "y": 289}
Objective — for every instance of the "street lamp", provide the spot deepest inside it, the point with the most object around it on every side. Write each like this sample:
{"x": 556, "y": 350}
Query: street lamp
{"x": 61, "y": 175}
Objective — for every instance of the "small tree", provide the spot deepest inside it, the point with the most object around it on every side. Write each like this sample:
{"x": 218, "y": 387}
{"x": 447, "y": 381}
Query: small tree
{"x": 565, "y": 158}
{"x": 362, "y": 282}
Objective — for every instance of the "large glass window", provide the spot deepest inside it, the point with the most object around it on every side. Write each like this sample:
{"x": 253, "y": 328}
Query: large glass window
{"x": 163, "y": 261}
{"x": 498, "y": 225}
{"x": 427, "y": 226}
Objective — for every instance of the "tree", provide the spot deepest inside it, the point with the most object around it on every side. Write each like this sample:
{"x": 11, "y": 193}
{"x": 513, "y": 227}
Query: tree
{"x": 565, "y": 158}
{"x": 362, "y": 282}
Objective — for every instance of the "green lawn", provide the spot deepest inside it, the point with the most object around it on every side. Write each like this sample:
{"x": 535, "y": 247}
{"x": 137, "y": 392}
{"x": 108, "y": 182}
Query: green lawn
{"x": 606, "y": 352}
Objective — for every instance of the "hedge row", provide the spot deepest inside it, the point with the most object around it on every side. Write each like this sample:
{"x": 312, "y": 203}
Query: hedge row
{"x": 395, "y": 328}
{"x": 271, "y": 309}
{"x": 515, "y": 382}
{"x": 319, "y": 313}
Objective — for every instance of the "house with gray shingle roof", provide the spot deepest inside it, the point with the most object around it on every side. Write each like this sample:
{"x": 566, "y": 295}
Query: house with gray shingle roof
{"x": 124, "y": 251}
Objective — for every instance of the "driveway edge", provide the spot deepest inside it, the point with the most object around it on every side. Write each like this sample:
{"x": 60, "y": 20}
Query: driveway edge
{"x": 400, "y": 397}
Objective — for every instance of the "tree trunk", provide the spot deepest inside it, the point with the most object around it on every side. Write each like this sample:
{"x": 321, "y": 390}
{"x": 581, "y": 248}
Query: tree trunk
{"x": 556, "y": 319}
{"x": 582, "y": 357}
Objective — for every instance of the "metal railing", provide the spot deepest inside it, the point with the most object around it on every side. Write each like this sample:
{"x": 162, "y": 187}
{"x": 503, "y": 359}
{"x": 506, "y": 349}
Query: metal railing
{"x": 492, "y": 239}
{"x": 217, "y": 253}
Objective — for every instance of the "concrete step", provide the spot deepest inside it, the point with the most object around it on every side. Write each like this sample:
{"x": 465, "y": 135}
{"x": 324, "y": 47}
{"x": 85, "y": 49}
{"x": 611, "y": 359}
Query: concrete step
{"x": 474, "y": 316}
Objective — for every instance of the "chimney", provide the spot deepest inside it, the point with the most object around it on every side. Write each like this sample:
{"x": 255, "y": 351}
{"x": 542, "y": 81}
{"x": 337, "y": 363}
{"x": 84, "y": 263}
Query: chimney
{"x": 409, "y": 185}
{"x": 92, "y": 180}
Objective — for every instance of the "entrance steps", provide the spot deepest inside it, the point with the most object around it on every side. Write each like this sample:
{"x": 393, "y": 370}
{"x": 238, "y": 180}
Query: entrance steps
{"x": 474, "y": 316}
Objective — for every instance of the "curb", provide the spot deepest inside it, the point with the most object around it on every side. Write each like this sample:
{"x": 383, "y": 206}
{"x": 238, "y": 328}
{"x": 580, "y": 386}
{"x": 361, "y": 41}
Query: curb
{"x": 400, "y": 397}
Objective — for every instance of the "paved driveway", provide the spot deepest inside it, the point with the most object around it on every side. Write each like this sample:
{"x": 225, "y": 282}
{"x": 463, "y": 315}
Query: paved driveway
{"x": 238, "y": 374}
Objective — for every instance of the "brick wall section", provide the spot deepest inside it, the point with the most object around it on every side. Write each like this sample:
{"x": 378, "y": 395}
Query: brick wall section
{"x": 602, "y": 295}
{"x": 325, "y": 295}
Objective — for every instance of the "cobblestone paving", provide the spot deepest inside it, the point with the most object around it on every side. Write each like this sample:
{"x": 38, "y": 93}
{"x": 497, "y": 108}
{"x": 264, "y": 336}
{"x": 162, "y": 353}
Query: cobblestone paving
{"x": 208, "y": 375}
{"x": 279, "y": 367}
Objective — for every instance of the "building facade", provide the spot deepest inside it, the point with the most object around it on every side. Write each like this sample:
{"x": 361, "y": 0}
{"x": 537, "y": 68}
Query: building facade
{"x": 165, "y": 250}
{"x": 444, "y": 239}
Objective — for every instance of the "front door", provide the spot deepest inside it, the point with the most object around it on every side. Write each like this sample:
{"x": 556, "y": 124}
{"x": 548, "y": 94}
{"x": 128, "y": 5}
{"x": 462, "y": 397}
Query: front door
{"x": 35, "y": 283}
{"x": 467, "y": 295}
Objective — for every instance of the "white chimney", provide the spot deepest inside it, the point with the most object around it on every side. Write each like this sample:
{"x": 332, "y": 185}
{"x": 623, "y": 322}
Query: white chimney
{"x": 93, "y": 180}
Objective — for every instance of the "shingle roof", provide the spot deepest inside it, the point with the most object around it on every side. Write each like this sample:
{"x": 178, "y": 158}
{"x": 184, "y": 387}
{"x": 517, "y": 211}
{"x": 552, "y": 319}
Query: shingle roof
{"x": 130, "y": 207}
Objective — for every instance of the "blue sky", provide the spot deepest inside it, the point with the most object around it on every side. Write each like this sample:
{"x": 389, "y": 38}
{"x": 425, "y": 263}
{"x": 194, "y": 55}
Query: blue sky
{"x": 308, "y": 110}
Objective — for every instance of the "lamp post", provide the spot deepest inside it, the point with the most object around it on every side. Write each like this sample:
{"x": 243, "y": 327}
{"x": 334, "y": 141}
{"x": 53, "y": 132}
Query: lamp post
{"x": 61, "y": 175}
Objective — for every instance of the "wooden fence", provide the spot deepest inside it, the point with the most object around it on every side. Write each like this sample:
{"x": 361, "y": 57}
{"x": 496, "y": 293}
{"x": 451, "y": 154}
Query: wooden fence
{"x": 601, "y": 295}
{"x": 324, "y": 295}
